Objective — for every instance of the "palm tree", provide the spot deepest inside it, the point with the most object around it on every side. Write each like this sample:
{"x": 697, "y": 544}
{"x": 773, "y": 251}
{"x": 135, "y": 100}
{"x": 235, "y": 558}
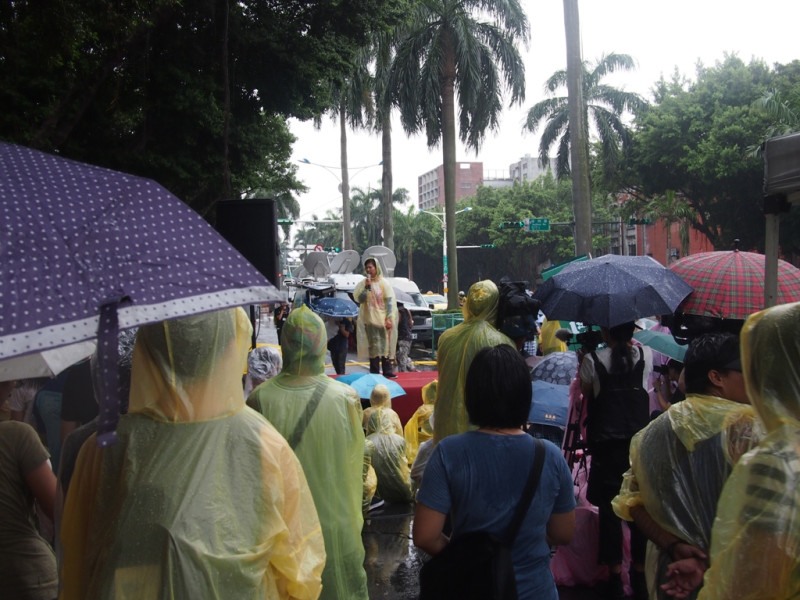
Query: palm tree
{"x": 451, "y": 44}
{"x": 352, "y": 106}
{"x": 605, "y": 104}
{"x": 383, "y": 45}
{"x": 784, "y": 113}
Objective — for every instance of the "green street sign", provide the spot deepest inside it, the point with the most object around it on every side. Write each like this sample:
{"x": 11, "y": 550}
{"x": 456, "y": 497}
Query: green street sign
{"x": 541, "y": 224}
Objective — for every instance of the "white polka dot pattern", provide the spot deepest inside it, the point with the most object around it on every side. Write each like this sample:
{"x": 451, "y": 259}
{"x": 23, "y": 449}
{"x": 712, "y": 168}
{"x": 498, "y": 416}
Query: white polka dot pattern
{"x": 73, "y": 235}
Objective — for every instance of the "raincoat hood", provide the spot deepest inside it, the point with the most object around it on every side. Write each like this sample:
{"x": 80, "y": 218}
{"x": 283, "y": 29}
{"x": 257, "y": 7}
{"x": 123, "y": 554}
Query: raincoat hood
{"x": 378, "y": 271}
{"x": 380, "y": 397}
{"x": 189, "y": 369}
{"x": 429, "y": 392}
{"x": 771, "y": 364}
{"x": 482, "y": 302}
{"x": 303, "y": 343}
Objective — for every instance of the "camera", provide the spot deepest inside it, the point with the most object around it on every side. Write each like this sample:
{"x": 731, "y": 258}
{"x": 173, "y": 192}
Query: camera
{"x": 590, "y": 339}
{"x": 661, "y": 370}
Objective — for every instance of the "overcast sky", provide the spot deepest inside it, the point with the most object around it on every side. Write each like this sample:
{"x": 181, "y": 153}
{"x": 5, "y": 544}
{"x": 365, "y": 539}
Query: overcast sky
{"x": 660, "y": 36}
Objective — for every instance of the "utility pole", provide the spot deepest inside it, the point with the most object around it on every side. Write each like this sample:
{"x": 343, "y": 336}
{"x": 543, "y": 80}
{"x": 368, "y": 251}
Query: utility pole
{"x": 578, "y": 132}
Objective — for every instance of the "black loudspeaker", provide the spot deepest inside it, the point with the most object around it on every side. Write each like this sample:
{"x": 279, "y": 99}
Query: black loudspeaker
{"x": 251, "y": 226}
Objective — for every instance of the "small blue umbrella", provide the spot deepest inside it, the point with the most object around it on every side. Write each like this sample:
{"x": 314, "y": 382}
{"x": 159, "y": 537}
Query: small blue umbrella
{"x": 364, "y": 382}
{"x": 334, "y": 307}
{"x": 550, "y": 404}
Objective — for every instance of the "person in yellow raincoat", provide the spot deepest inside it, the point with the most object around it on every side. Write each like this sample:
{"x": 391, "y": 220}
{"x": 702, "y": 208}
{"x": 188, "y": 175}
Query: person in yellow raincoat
{"x": 681, "y": 460}
{"x": 548, "y": 340}
{"x": 321, "y": 420}
{"x": 389, "y": 458}
{"x": 418, "y": 428}
{"x": 755, "y": 541}
{"x": 376, "y": 326}
{"x": 200, "y": 497}
{"x": 380, "y": 397}
{"x": 456, "y": 349}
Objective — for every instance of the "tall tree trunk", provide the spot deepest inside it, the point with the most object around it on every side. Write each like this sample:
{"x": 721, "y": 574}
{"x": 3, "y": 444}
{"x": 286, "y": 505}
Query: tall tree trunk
{"x": 411, "y": 260}
{"x": 449, "y": 167}
{"x": 347, "y": 241}
{"x": 386, "y": 183}
{"x": 226, "y": 128}
{"x": 578, "y": 131}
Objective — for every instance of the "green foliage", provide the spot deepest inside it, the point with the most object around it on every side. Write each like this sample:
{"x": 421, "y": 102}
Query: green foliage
{"x": 695, "y": 141}
{"x": 192, "y": 93}
{"x": 605, "y": 108}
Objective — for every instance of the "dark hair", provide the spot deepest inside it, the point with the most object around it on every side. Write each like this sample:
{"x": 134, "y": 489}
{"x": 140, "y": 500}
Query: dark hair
{"x": 371, "y": 260}
{"x": 498, "y": 388}
{"x": 707, "y": 352}
{"x": 621, "y": 361}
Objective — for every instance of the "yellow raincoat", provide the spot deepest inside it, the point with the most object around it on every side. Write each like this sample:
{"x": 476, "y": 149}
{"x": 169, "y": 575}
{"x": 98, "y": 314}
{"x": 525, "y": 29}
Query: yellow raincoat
{"x": 375, "y": 306}
{"x": 679, "y": 464}
{"x": 201, "y": 497}
{"x": 380, "y": 397}
{"x": 329, "y": 442}
{"x": 755, "y": 542}
{"x": 370, "y": 478}
{"x": 457, "y": 347}
{"x": 389, "y": 458}
{"x": 548, "y": 340}
{"x": 418, "y": 428}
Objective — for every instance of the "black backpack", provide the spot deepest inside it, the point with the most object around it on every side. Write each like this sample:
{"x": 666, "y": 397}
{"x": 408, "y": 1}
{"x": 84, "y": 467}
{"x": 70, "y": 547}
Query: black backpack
{"x": 622, "y": 407}
{"x": 477, "y": 565}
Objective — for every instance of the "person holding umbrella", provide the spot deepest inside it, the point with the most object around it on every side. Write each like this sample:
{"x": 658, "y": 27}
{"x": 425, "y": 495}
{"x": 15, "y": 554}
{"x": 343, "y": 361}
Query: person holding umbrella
{"x": 376, "y": 329}
{"x": 614, "y": 382}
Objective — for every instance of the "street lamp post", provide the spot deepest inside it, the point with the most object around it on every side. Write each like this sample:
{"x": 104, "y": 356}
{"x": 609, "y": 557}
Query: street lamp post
{"x": 442, "y": 217}
{"x": 344, "y": 188}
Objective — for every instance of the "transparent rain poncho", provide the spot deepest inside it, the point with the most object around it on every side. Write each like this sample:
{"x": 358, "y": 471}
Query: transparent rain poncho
{"x": 755, "y": 542}
{"x": 263, "y": 363}
{"x": 370, "y": 478}
{"x": 200, "y": 497}
{"x": 418, "y": 428}
{"x": 456, "y": 349}
{"x": 372, "y": 337}
{"x": 381, "y": 398}
{"x": 679, "y": 464}
{"x": 329, "y": 444}
{"x": 389, "y": 458}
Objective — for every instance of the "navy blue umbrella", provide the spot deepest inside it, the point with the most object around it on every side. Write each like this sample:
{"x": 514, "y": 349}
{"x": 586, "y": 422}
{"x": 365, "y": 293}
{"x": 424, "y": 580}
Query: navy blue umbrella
{"x": 611, "y": 290}
{"x": 334, "y": 307}
{"x": 549, "y": 404}
{"x": 86, "y": 251}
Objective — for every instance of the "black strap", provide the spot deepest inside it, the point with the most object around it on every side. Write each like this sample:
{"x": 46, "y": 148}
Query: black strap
{"x": 528, "y": 493}
{"x": 311, "y": 407}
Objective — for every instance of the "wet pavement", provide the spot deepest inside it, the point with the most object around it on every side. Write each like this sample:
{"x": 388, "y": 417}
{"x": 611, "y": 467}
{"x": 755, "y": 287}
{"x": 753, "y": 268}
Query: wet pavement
{"x": 392, "y": 562}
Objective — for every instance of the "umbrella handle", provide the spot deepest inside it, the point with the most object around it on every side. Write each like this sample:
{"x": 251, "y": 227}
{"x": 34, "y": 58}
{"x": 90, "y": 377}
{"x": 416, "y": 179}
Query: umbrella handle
{"x": 107, "y": 362}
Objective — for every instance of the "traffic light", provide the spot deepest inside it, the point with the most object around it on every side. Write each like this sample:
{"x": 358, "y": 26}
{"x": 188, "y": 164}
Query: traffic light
{"x": 511, "y": 224}
{"x": 633, "y": 221}
{"x": 331, "y": 248}
{"x": 487, "y": 245}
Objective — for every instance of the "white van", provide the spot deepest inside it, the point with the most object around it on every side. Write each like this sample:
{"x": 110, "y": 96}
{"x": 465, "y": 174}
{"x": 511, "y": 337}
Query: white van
{"x": 422, "y": 329}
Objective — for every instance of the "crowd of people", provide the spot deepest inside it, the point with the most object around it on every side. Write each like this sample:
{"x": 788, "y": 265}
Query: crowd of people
{"x": 248, "y": 474}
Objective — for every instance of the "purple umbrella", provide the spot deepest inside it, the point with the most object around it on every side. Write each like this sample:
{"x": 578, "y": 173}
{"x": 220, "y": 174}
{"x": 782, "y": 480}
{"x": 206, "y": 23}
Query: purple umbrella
{"x": 86, "y": 251}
